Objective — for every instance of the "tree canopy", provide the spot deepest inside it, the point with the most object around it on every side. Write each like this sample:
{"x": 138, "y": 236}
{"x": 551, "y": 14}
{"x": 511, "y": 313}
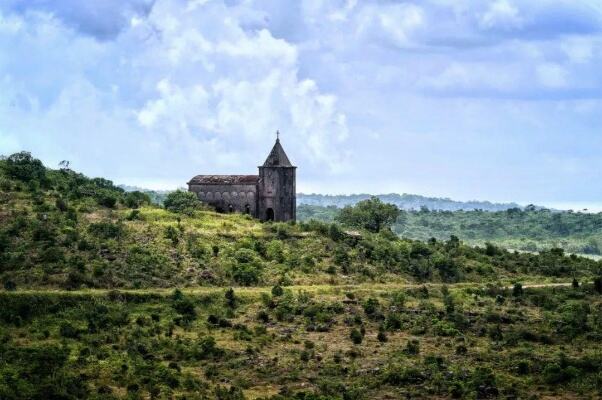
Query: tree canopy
{"x": 372, "y": 215}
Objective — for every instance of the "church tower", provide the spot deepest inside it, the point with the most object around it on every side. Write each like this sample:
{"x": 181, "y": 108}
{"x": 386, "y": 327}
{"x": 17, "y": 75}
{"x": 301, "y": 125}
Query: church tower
{"x": 277, "y": 199}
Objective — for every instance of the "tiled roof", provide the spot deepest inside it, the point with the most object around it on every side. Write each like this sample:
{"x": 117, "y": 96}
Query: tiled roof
{"x": 224, "y": 180}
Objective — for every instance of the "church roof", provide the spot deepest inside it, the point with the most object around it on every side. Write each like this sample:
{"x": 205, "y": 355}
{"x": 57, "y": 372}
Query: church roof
{"x": 277, "y": 157}
{"x": 224, "y": 180}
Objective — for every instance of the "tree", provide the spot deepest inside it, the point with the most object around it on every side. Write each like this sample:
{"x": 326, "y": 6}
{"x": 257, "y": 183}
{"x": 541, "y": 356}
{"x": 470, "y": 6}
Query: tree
{"x": 24, "y": 167}
{"x": 136, "y": 199}
{"x": 372, "y": 215}
{"x": 181, "y": 202}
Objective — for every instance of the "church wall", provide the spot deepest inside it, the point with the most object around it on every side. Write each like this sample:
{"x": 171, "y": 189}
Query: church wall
{"x": 222, "y": 196}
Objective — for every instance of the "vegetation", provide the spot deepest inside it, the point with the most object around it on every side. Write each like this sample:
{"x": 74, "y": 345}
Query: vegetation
{"x": 529, "y": 229}
{"x": 403, "y": 201}
{"x": 308, "y": 310}
{"x": 545, "y": 343}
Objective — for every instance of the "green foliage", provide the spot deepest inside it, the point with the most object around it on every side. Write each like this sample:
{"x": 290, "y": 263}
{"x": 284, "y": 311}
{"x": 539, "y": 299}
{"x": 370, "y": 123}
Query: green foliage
{"x": 181, "y": 202}
{"x": 106, "y": 230}
{"x": 136, "y": 199}
{"x": 23, "y": 167}
{"x": 372, "y": 215}
{"x": 356, "y": 336}
{"x": 528, "y": 229}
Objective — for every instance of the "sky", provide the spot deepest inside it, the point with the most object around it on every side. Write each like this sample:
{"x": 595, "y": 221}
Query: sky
{"x": 493, "y": 100}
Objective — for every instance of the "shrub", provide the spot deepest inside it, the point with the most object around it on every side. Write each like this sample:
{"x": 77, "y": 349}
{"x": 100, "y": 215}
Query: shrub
{"x": 356, "y": 336}
{"x": 136, "y": 199}
{"x": 517, "y": 290}
{"x": 67, "y": 330}
{"x": 183, "y": 306}
{"x": 172, "y": 234}
{"x": 277, "y": 291}
{"x": 412, "y": 347}
{"x": 10, "y": 285}
{"x": 181, "y": 202}
{"x": 231, "y": 299}
{"x": 598, "y": 284}
{"x": 105, "y": 230}
{"x": 106, "y": 198}
{"x": 246, "y": 274}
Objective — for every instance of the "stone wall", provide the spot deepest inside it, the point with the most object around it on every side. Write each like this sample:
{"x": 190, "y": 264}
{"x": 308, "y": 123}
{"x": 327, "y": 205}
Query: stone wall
{"x": 228, "y": 198}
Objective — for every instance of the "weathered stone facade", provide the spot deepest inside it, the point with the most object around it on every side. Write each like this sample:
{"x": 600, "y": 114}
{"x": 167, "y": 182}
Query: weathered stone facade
{"x": 269, "y": 196}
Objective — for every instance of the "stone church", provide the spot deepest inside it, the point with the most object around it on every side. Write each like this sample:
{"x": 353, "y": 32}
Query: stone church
{"x": 268, "y": 196}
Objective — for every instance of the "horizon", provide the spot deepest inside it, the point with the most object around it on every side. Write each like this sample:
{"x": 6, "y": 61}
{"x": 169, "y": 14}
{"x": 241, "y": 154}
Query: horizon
{"x": 499, "y": 101}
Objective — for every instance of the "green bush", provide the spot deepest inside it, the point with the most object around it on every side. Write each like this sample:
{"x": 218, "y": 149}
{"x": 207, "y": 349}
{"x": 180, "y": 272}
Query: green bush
{"x": 356, "y": 336}
{"x": 182, "y": 202}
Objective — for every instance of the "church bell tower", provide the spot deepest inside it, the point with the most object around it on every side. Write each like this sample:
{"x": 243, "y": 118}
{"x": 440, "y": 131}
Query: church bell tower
{"x": 277, "y": 188}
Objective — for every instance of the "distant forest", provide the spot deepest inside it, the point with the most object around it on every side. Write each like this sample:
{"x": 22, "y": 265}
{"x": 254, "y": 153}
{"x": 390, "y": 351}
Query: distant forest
{"x": 529, "y": 229}
{"x": 403, "y": 201}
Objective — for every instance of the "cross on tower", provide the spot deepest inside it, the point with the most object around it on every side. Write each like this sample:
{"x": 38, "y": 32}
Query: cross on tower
{"x": 277, "y": 135}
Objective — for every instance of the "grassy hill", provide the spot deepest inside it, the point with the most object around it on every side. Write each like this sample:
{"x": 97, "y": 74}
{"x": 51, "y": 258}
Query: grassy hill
{"x": 107, "y": 297}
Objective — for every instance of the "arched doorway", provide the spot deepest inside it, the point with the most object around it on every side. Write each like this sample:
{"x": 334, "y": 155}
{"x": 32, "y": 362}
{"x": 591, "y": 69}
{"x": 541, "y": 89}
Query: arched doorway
{"x": 247, "y": 209}
{"x": 269, "y": 214}
{"x": 230, "y": 208}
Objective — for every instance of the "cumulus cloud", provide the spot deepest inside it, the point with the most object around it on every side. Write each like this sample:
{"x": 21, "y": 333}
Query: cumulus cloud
{"x": 459, "y": 98}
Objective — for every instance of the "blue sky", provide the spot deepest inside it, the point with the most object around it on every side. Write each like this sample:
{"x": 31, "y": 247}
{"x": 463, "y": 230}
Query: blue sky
{"x": 497, "y": 100}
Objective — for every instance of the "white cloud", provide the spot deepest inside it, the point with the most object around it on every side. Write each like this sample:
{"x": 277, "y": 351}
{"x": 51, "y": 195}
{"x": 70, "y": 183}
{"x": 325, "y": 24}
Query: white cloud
{"x": 552, "y": 75}
{"x": 415, "y": 93}
{"x": 501, "y": 14}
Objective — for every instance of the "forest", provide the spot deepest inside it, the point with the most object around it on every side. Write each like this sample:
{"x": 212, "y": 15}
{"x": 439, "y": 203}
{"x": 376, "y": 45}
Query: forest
{"x": 527, "y": 229}
{"x": 108, "y": 296}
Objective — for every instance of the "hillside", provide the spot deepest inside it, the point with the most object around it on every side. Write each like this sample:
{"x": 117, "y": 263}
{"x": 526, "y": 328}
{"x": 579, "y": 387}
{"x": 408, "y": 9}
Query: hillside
{"x": 64, "y": 230}
{"x": 90, "y": 307}
{"x": 530, "y": 229}
{"x": 403, "y": 201}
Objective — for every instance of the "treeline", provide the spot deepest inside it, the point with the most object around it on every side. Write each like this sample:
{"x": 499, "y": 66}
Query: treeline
{"x": 403, "y": 201}
{"x": 529, "y": 229}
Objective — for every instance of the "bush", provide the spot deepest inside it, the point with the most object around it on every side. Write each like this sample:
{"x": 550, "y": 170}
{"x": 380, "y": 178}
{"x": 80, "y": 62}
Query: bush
{"x": 106, "y": 198}
{"x": 598, "y": 285}
{"x": 277, "y": 291}
{"x": 136, "y": 199}
{"x": 356, "y": 336}
{"x": 412, "y": 347}
{"x": 67, "y": 330}
{"x": 105, "y": 230}
{"x": 181, "y": 202}
{"x": 246, "y": 274}
{"x": 183, "y": 306}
